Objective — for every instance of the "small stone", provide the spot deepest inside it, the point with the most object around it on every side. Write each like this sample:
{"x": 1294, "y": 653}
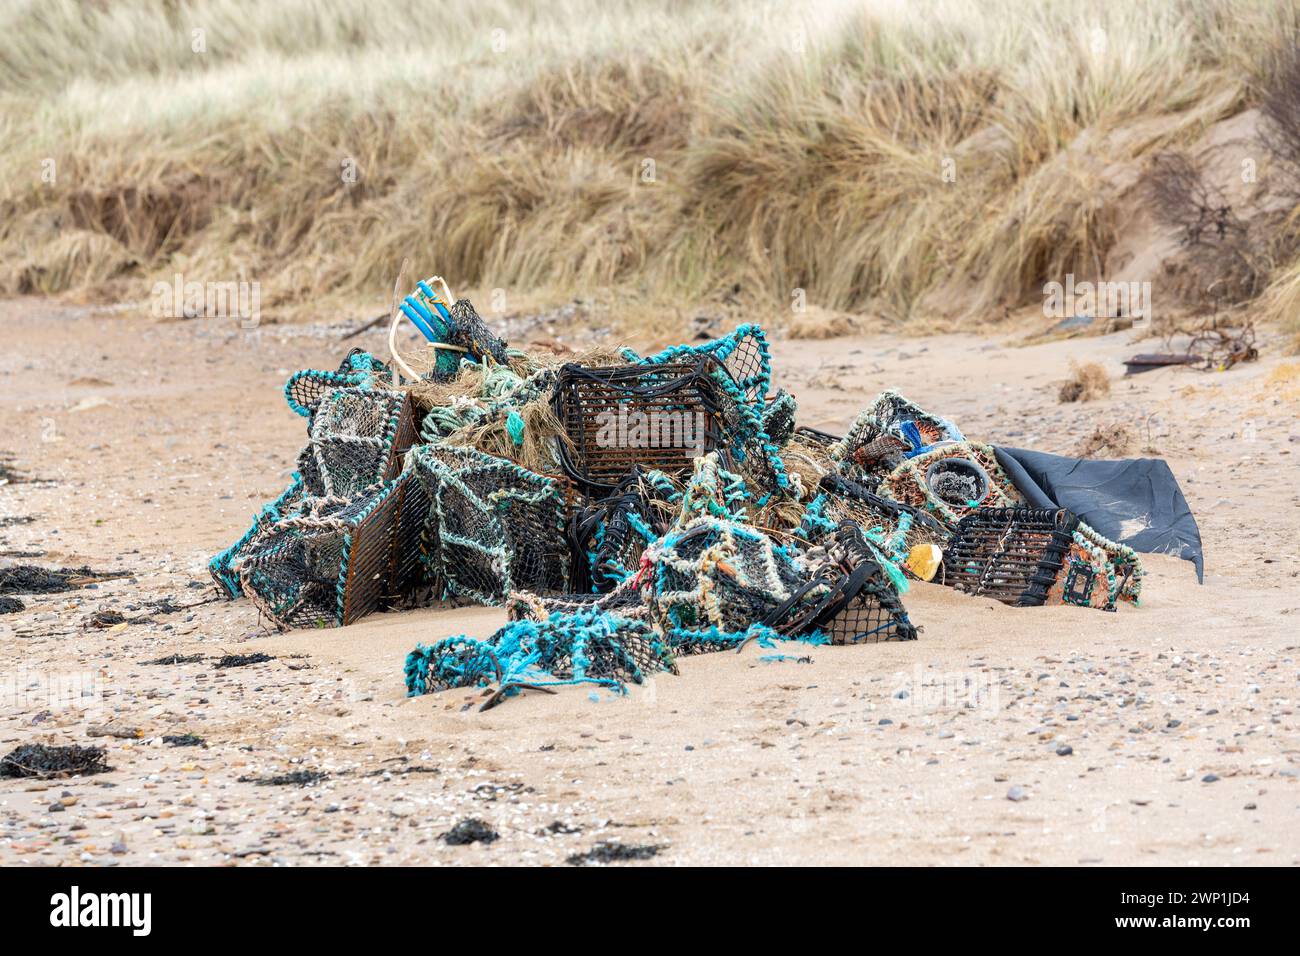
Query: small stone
{"x": 1016, "y": 794}
{"x": 1249, "y": 806}
{"x": 118, "y": 848}
{"x": 1210, "y": 778}
{"x": 1064, "y": 750}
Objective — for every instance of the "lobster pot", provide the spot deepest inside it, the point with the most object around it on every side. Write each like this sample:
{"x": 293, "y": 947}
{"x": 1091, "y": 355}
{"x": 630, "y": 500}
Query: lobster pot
{"x": 607, "y": 536}
{"x": 625, "y": 601}
{"x": 1028, "y": 557}
{"x": 716, "y": 575}
{"x": 779, "y": 417}
{"x": 493, "y": 527}
{"x": 951, "y": 482}
{"x": 867, "y": 619}
{"x": 865, "y": 607}
{"x": 882, "y": 435}
{"x": 616, "y": 418}
{"x": 337, "y": 560}
{"x": 905, "y": 526}
{"x": 221, "y": 567}
{"x": 358, "y": 438}
{"x": 306, "y": 389}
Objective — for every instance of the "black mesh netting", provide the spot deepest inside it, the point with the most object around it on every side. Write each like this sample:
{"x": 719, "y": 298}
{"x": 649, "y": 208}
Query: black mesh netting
{"x": 471, "y": 333}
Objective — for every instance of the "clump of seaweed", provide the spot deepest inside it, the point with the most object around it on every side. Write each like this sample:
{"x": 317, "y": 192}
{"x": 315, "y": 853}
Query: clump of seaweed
{"x": 296, "y": 778}
{"x": 44, "y": 761}
{"x": 1115, "y": 439}
{"x": 174, "y": 659}
{"x": 612, "y": 852}
{"x": 243, "y": 660}
{"x": 32, "y": 579}
{"x": 470, "y": 830}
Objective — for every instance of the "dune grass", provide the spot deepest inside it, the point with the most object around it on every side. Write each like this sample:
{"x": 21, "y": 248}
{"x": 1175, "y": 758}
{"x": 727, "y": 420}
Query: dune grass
{"x": 880, "y": 156}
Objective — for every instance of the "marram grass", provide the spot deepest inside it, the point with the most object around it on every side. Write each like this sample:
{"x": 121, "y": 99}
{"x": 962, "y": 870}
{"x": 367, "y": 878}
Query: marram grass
{"x": 875, "y": 155}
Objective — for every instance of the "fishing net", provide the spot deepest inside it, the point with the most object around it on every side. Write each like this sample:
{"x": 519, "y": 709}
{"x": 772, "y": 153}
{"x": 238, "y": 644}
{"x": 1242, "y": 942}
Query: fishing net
{"x": 221, "y": 566}
{"x": 358, "y": 438}
{"x": 1028, "y": 557}
{"x": 778, "y": 417}
{"x": 891, "y": 430}
{"x": 593, "y": 647}
{"x": 951, "y": 481}
{"x": 494, "y": 527}
{"x": 624, "y": 600}
{"x": 706, "y": 583}
{"x": 469, "y": 331}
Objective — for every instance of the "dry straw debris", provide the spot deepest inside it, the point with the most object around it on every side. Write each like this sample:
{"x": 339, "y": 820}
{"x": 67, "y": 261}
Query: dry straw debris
{"x": 1087, "y": 381}
{"x": 1110, "y": 440}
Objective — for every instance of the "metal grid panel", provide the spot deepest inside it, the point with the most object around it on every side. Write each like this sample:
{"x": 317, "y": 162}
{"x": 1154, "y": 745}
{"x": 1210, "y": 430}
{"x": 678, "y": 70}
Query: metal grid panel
{"x": 1013, "y": 555}
{"x": 679, "y": 402}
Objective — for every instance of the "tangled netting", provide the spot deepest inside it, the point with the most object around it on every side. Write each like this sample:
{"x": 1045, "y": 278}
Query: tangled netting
{"x": 628, "y": 511}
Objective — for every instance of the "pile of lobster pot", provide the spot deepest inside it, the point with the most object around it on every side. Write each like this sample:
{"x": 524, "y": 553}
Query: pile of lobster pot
{"x": 627, "y": 510}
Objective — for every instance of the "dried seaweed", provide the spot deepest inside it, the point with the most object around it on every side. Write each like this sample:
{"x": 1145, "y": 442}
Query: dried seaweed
{"x": 45, "y": 762}
{"x": 611, "y": 852}
{"x": 31, "y": 579}
{"x": 174, "y": 659}
{"x": 296, "y": 778}
{"x": 471, "y": 830}
{"x": 183, "y": 740}
{"x": 243, "y": 660}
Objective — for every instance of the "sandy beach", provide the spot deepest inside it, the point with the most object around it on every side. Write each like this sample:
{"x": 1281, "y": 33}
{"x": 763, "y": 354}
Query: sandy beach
{"x": 1162, "y": 734}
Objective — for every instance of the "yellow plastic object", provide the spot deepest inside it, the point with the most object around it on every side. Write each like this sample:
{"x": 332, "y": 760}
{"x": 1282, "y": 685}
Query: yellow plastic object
{"x": 923, "y": 561}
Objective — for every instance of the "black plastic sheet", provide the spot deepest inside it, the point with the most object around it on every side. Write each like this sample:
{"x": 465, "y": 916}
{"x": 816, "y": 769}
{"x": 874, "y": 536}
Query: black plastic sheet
{"x": 1135, "y": 501}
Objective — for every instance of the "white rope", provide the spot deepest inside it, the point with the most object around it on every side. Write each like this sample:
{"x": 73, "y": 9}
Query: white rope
{"x": 401, "y": 363}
